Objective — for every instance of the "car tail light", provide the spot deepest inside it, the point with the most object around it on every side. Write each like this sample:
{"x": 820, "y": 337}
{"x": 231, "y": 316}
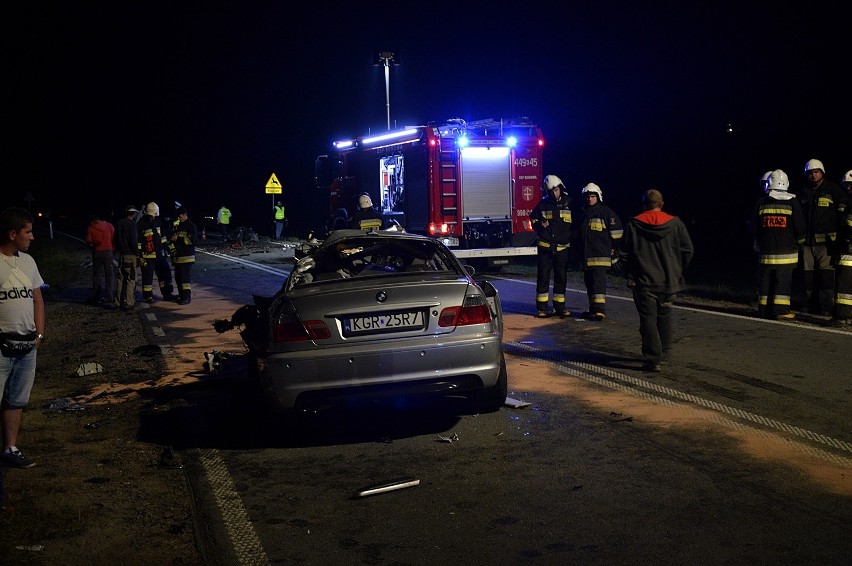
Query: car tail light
{"x": 290, "y": 328}
{"x": 475, "y": 310}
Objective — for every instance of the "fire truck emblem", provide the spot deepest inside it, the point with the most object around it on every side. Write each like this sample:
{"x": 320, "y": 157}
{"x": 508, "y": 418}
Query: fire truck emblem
{"x": 528, "y": 193}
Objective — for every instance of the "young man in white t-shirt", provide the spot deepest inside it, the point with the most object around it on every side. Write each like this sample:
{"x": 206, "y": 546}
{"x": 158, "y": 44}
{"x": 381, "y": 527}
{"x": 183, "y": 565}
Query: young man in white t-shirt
{"x": 22, "y": 321}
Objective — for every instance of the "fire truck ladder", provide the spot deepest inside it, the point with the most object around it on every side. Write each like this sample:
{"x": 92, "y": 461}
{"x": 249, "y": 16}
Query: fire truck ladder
{"x": 450, "y": 187}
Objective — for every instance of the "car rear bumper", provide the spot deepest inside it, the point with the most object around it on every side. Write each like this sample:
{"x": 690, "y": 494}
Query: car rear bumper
{"x": 304, "y": 380}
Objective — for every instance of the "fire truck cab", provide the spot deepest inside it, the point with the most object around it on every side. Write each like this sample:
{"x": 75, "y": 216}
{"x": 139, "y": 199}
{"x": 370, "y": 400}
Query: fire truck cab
{"x": 470, "y": 184}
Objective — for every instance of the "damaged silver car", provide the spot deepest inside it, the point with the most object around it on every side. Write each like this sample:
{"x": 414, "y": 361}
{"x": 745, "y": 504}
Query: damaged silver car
{"x": 375, "y": 315}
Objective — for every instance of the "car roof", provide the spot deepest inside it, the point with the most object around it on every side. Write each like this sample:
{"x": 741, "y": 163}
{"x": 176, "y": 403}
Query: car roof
{"x": 339, "y": 235}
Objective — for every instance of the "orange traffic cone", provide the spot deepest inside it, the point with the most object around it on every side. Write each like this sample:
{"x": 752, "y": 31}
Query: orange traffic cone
{"x": 203, "y": 234}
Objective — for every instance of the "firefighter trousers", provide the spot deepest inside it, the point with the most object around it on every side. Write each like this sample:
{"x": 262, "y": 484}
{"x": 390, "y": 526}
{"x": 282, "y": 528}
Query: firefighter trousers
{"x": 843, "y": 297}
{"x": 776, "y": 284}
{"x": 817, "y": 275}
{"x": 551, "y": 262}
{"x": 595, "y": 279}
{"x": 183, "y": 272}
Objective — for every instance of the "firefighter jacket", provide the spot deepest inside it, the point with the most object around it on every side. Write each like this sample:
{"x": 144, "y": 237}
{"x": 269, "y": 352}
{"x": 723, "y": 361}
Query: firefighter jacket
{"x": 823, "y": 207}
{"x": 150, "y": 236}
{"x": 557, "y": 213}
{"x": 184, "y": 238}
{"x": 600, "y": 230}
{"x": 366, "y": 219}
{"x": 778, "y": 224}
{"x": 657, "y": 249}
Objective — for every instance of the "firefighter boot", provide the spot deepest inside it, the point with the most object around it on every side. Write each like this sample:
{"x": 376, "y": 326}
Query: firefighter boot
{"x": 185, "y": 298}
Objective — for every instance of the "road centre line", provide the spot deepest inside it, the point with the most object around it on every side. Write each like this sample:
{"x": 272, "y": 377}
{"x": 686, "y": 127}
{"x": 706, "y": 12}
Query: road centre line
{"x": 252, "y": 264}
{"x": 611, "y": 379}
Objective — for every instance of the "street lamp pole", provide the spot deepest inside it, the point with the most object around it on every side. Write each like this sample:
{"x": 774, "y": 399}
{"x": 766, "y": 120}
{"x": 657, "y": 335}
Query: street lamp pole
{"x": 386, "y": 57}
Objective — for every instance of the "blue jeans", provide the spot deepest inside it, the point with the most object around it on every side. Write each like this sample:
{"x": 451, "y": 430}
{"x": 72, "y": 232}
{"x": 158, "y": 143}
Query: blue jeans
{"x": 17, "y": 374}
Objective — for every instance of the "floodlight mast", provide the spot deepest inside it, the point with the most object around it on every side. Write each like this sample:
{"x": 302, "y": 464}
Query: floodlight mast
{"x": 386, "y": 57}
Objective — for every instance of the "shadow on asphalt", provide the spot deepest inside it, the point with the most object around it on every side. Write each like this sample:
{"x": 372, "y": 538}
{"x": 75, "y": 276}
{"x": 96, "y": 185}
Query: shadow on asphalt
{"x": 225, "y": 411}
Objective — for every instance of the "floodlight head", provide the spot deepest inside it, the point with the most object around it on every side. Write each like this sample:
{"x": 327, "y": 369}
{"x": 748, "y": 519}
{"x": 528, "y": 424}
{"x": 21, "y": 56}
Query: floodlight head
{"x": 382, "y": 58}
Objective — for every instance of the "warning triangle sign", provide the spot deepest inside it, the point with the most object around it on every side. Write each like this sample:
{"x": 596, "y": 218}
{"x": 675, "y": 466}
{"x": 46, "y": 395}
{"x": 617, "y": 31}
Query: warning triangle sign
{"x": 273, "y": 186}
{"x": 273, "y": 183}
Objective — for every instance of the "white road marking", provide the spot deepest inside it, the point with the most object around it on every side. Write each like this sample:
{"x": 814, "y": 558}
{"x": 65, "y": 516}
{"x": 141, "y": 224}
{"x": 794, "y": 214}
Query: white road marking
{"x": 619, "y": 381}
{"x": 247, "y": 546}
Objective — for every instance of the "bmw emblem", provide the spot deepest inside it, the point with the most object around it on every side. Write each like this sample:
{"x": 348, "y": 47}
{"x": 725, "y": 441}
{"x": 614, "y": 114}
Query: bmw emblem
{"x": 381, "y": 296}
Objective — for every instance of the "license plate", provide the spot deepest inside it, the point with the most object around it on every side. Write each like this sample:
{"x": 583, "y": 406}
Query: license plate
{"x": 450, "y": 242}
{"x": 410, "y": 320}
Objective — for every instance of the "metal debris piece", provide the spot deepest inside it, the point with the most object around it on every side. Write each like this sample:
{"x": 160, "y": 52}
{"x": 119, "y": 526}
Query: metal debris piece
{"x": 215, "y": 359}
{"x": 89, "y": 368}
{"x": 64, "y": 404}
{"x": 453, "y": 438}
{"x": 515, "y": 404}
{"x": 392, "y": 485}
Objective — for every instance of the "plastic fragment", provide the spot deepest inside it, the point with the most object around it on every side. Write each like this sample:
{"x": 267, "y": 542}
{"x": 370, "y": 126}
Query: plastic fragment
{"x": 65, "y": 404}
{"x": 89, "y": 368}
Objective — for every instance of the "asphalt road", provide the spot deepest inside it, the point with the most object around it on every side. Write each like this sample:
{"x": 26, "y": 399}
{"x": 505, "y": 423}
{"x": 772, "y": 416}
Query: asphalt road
{"x": 739, "y": 452}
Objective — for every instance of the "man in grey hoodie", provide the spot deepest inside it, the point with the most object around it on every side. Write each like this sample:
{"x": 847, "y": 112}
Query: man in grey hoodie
{"x": 657, "y": 250}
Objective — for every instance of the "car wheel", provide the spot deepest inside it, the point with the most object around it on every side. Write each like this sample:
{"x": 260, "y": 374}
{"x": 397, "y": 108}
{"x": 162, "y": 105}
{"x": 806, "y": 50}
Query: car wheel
{"x": 495, "y": 397}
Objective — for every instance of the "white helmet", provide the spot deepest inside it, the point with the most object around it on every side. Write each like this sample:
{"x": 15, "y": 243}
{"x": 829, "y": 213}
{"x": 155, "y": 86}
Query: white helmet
{"x": 552, "y": 181}
{"x": 814, "y": 164}
{"x": 778, "y": 181}
{"x": 764, "y": 181}
{"x": 152, "y": 209}
{"x": 847, "y": 178}
{"x": 364, "y": 201}
{"x": 593, "y": 188}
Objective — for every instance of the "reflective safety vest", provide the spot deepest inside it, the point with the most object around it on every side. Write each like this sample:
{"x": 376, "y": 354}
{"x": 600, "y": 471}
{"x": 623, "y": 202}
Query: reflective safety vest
{"x": 279, "y": 213}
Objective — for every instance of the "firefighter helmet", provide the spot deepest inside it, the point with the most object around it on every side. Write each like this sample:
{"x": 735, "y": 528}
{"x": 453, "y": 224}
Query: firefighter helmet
{"x": 152, "y": 209}
{"x": 364, "y": 201}
{"x": 764, "y": 181}
{"x": 814, "y": 164}
{"x": 778, "y": 181}
{"x": 552, "y": 181}
{"x": 593, "y": 188}
{"x": 847, "y": 178}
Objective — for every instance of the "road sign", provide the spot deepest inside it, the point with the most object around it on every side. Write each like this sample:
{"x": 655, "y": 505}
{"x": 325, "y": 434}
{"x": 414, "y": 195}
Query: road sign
{"x": 273, "y": 187}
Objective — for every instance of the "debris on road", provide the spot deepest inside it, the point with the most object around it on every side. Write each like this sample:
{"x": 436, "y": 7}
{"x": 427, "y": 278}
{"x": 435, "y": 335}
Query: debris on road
{"x": 89, "y": 368}
{"x": 392, "y": 485}
{"x": 515, "y": 404}
{"x": 65, "y": 404}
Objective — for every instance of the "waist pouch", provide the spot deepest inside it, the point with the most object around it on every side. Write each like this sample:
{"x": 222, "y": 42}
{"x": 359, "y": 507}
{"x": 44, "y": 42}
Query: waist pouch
{"x": 17, "y": 344}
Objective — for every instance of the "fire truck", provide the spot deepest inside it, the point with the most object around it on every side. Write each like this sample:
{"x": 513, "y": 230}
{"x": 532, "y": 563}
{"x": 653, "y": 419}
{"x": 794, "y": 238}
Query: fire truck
{"x": 471, "y": 184}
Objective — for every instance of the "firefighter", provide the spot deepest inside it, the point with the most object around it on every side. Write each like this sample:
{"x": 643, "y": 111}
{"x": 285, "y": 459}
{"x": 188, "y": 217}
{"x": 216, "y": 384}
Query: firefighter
{"x": 843, "y": 296}
{"x": 823, "y": 203}
{"x": 599, "y": 231}
{"x": 183, "y": 244}
{"x": 551, "y": 219}
{"x": 162, "y": 267}
{"x": 150, "y": 242}
{"x": 778, "y": 227}
{"x": 367, "y": 217}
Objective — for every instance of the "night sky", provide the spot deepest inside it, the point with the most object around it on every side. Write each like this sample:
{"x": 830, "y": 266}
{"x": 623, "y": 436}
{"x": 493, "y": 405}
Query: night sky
{"x": 114, "y": 103}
